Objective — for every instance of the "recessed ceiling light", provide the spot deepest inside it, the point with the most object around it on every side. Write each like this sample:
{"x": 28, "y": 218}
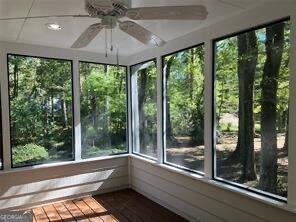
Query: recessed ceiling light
{"x": 53, "y": 26}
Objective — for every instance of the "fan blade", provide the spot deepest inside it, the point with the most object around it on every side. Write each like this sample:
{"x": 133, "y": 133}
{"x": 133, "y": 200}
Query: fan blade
{"x": 46, "y": 16}
{"x": 87, "y": 36}
{"x": 104, "y": 5}
{"x": 190, "y": 12}
{"x": 141, "y": 34}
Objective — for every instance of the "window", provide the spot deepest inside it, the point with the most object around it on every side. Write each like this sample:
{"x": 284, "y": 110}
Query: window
{"x": 252, "y": 94}
{"x": 103, "y": 108}
{"x": 40, "y": 92}
{"x": 184, "y": 108}
{"x": 144, "y": 108}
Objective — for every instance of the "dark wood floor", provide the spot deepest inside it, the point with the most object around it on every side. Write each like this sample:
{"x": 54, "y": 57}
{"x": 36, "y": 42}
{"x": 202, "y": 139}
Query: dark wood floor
{"x": 123, "y": 206}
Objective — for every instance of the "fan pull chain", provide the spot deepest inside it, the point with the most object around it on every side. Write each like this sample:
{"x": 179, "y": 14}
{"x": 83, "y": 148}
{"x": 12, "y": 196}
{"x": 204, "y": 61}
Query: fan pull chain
{"x": 111, "y": 49}
{"x": 117, "y": 58}
{"x": 106, "y": 44}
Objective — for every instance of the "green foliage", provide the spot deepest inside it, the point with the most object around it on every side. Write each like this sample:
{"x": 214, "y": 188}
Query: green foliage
{"x": 41, "y": 106}
{"x": 103, "y": 109}
{"x": 93, "y": 151}
{"x": 226, "y": 85}
{"x": 29, "y": 154}
{"x": 185, "y": 89}
{"x": 228, "y": 127}
{"x": 227, "y": 104}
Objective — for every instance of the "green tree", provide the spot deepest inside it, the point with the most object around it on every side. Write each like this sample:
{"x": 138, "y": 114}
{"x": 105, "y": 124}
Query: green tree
{"x": 247, "y": 61}
{"x": 274, "y": 54}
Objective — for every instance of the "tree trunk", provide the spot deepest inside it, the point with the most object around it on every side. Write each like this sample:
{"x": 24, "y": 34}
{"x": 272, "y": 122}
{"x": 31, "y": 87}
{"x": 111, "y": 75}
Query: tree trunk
{"x": 248, "y": 53}
{"x": 65, "y": 111}
{"x": 191, "y": 72}
{"x": 52, "y": 108}
{"x": 106, "y": 116}
{"x": 269, "y": 84}
{"x": 142, "y": 117}
{"x": 286, "y": 145}
{"x": 220, "y": 106}
{"x": 247, "y": 61}
{"x": 169, "y": 132}
{"x": 15, "y": 79}
{"x": 94, "y": 118}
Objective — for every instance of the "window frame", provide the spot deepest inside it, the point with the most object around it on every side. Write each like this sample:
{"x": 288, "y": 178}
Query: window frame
{"x": 154, "y": 59}
{"x": 214, "y": 156}
{"x": 164, "y": 161}
{"x": 9, "y": 108}
{"x": 1, "y": 139}
{"x": 127, "y": 106}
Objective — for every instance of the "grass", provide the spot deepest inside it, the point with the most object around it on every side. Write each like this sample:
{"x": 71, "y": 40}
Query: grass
{"x": 93, "y": 151}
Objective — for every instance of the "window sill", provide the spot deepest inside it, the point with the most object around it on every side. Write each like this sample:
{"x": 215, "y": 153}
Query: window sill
{"x": 60, "y": 164}
{"x": 242, "y": 192}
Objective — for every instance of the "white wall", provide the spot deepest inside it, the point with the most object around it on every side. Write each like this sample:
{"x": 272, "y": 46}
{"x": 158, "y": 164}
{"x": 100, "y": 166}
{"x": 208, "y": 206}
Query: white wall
{"x": 199, "y": 199}
{"x": 25, "y": 188}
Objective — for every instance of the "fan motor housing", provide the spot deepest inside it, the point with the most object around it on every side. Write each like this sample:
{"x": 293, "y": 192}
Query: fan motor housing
{"x": 109, "y": 22}
{"x": 119, "y": 9}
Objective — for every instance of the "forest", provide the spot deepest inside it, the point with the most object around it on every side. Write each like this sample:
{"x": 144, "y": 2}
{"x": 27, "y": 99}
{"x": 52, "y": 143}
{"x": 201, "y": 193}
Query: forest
{"x": 40, "y": 94}
{"x": 252, "y": 98}
{"x": 184, "y": 82}
{"x": 41, "y": 110}
{"x": 103, "y": 109}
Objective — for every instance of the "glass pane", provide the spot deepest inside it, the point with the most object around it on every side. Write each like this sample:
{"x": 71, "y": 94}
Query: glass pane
{"x": 144, "y": 108}
{"x": 40, "y": 93}
{"x": 184, "y": 80}
{"x": 252, "y": 94}
{"x": 103, "y": 109}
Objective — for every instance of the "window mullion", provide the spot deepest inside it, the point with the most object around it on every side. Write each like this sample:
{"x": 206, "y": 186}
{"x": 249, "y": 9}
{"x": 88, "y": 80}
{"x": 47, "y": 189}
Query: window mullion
{"x": 160, "y": 111}
{"x": 76, "y": 100}
{"x": 129, "y": 112}
{"x": 135, "y": 112}
{"x": 208, "y": 110}
{"x": 5, "y": 111}
{"x": 292, "y": 119}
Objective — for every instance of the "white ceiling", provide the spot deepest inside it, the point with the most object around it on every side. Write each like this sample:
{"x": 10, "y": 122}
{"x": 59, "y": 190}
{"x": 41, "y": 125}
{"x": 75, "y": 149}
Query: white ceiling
{"x": 34, "y": 31}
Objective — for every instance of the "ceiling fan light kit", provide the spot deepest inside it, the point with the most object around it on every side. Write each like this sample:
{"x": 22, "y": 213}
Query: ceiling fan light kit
{"x": 53, "y": 26}
{"x": 109, "y": 12}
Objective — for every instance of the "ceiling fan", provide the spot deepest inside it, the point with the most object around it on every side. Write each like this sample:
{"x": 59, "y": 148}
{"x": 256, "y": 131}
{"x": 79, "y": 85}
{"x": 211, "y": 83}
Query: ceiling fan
{"x": 110, "y": 11}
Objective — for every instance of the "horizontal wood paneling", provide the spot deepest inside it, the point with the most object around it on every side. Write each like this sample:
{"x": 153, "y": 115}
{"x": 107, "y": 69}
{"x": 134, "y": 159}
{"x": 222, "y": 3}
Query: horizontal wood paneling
{"x": 10, "y": 189}
{"x": 195, "y": 200}
{"x": 36, "y": 186}
{"x": 173, "y": 203}
{"x": 203, "y": 197}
